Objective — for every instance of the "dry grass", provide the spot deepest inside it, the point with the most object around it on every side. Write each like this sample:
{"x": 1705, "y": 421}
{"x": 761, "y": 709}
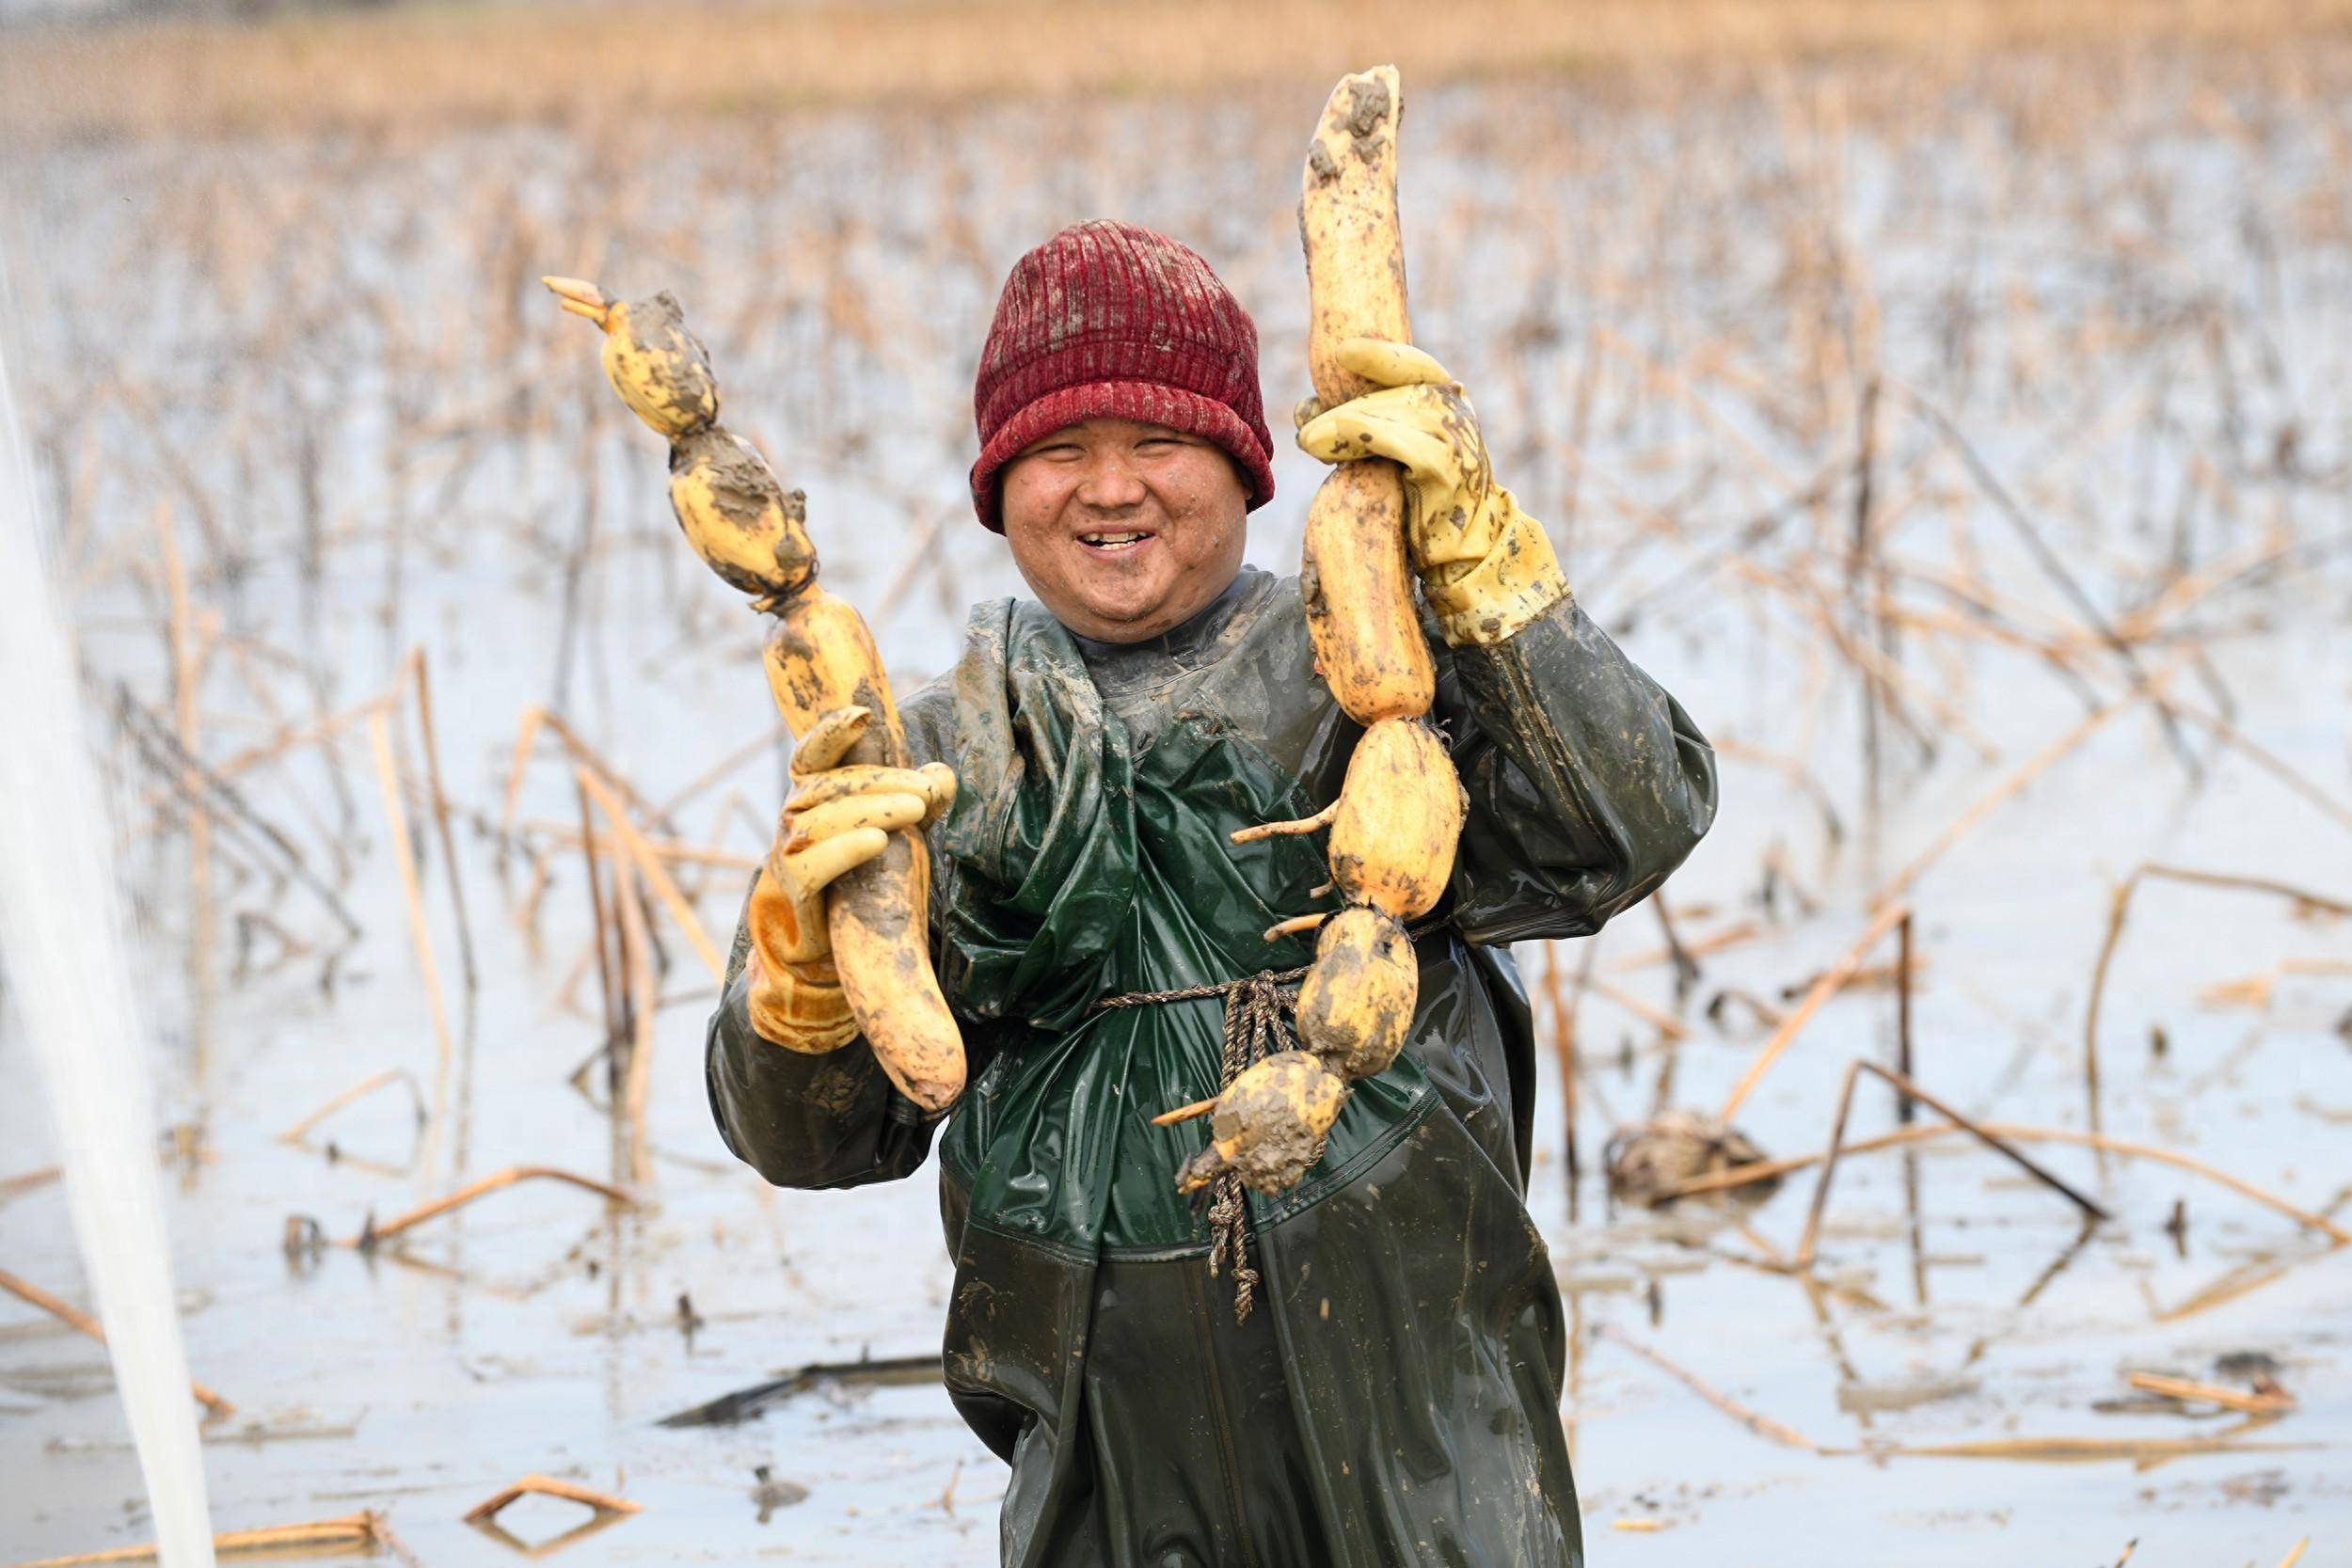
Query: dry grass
{"x": 436, "y": 69}
{"x": 1973, "y": 372}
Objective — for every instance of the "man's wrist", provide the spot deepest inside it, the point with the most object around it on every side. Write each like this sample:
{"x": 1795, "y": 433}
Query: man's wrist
{"x": 1485, "y": 601}
{"x": 799, "y": 1006}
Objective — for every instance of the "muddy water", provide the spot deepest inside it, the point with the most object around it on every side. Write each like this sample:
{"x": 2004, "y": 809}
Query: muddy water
{"x": 538, "y": 1331}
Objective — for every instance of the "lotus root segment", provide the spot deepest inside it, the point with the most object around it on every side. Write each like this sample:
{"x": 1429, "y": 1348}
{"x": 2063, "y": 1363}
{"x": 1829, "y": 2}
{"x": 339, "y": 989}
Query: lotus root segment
{"x": 743, "y": 524}
{"x": 820, "y": 656}
{"x": 1357, "y": 1001}
{"x": 1356, "y": 589}
{"x": 1399, "y": 814}
{"x": 739, "y": 520}
{"x": 1347, "y": 221}
{"x": 660, "y": 369}
{"x": 1270, "y": 1125}
{"x": 1400, "y": 818}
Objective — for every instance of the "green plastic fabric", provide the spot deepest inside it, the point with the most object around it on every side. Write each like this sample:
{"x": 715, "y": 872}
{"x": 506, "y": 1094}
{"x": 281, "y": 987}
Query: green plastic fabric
{"x": 1083, "y": 871}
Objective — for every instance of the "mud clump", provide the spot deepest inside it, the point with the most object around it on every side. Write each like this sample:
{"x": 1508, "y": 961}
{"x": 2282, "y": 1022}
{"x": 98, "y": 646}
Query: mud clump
{"x": 1270, "y": 1125}
{"x": 1650, "y": 1163}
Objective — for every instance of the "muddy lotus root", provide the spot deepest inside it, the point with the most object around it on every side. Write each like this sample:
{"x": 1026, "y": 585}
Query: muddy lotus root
{"x": 819, "y": 658}
{"x": 1399, "y": 816}
{"x": 1270, "y": 1124}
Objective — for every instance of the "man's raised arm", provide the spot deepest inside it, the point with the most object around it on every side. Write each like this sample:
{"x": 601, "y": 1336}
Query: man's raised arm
{"x": 798, "y": 1094}
{"x": 1587, "y": 783}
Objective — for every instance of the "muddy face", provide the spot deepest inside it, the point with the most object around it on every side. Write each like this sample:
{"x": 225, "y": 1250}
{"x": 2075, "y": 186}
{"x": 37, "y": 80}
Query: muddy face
{"x": 1124, "y": 530}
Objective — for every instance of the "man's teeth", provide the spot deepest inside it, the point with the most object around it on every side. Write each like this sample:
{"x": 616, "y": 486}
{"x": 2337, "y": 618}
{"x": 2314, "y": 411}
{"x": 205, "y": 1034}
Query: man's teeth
{"x": 1112, "y": 538}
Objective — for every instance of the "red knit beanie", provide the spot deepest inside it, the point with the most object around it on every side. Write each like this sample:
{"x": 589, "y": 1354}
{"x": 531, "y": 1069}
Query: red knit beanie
{"x": 1106, "y": 319}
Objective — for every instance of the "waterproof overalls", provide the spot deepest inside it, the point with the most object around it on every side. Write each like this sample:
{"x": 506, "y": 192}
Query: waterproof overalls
{"x": 1394, "y": 1397}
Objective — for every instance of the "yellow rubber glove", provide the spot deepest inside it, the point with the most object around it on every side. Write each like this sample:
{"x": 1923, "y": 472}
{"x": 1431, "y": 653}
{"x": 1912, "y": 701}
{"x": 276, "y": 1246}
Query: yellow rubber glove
{"x": 839, "y": 818}
{"x": 1485, "y": 567}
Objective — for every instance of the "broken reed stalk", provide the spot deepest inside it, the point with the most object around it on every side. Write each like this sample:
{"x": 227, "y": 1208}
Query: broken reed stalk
{"x": 186, "y": 678}
{"x": 1882, "y": 676}
{"x": 666, "y": 849}
{"x": 360, "y": 1091}
{"x": 549, "y": 1486}
{"x": 1563, "y": 1049}
{"x": 365, "y": 1528}
{"x": 423, "y": 685}
{"x": 1686, "y": 966}
{"x": 526, "y": 910}
{"x": 160, "y": 748}
{"x": 28, "y": 1181}
{"x": 1763, "y": 1426}
{"x": 1768, "y": 1170}
{"x": 2267, "y": 761}
{"x": 2242, "y": 1280}
{"x": 527, "y": 732}
{"x": 2254, "y": 991}
{"x": 1823, "y": 989}
{"x": 1797, "y": 773}
{"x": 1715, "y": 941}
{"x": 74, "y": 1318}
{"x": 2120, "y": 907}
{"x": 2143, "y": 623}
{"x": 1659, "y": 1018}
{"x": 2273, "y": 1403}
{"x": 1905, "y": 1106}
{"x": 2086, "y": 1450}
{"x": 289, "y": 739}
{"x": 2017, "y": 779}
{"x": 1803, "y": 1262}
{"x": 1574, "y": 1047}
{"x": 375, "y": 1235}
{"x": 2053, "y": 566}
{"x": 419, "y": 933}
{"x": 780, "y": 735}
{"x": 920, "y": 551}
{"x": 644, "y": 1001}
{"x": 649, "y": 866}
{"x": 607, "y": 970}
{"x": 2295, "y": 1553}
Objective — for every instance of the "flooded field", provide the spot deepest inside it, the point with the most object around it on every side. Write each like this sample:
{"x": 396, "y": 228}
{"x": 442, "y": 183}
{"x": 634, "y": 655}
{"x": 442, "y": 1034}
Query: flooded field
{"x": 1967, "y": 442}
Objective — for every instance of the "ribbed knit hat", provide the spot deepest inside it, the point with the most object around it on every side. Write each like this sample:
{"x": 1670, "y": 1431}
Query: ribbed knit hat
{"x": 1109, "y": 319}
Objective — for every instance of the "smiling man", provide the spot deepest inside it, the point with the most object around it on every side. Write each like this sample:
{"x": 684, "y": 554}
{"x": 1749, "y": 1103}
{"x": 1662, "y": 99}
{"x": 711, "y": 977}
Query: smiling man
{"x": 1124, "y": 530}
{"x": 1375, "y": 1379}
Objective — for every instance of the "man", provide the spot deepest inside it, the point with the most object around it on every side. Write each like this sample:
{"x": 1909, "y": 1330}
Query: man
{"x": 1385, "y": 1390}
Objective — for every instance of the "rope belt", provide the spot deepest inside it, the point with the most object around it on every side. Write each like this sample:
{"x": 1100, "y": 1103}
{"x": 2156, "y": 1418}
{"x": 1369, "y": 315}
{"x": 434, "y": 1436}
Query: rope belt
{"x": 1259, "y": 1009}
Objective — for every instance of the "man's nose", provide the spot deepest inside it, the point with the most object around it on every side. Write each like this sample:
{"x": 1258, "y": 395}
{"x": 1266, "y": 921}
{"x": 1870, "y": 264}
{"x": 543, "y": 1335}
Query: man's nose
{"x": 1110, "y": 483}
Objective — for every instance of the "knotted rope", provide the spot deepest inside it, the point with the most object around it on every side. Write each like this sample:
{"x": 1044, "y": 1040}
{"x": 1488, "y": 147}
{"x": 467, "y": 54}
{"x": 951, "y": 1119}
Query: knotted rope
{"x": 1259, "y": 1009}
